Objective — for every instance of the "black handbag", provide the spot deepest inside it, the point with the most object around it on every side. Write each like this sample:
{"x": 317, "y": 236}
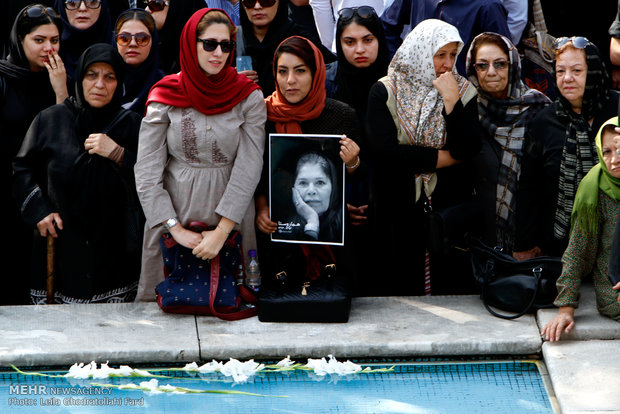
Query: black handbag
{"x": 512, "y": 285}
{"x": 304, "y": 286}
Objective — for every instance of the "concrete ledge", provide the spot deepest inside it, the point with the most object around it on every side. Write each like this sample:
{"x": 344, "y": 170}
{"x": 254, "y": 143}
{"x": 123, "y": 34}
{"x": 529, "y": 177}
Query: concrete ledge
{"x": 378, "y": 327}
{"x": 120, "y": 333}
{"x": 585, "y": 375}
{"x": 589, "y": 324}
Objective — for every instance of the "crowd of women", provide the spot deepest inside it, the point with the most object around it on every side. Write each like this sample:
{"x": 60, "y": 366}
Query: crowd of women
{"x": 122, "y": 125}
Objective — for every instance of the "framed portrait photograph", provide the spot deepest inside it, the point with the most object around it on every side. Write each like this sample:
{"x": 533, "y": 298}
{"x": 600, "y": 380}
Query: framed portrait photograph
{"x": 306, "y": 188}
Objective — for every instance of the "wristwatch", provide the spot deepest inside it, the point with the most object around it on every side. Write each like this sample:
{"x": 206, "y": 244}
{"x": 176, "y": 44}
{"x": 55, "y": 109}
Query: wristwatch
{"x": 170, "y": 223}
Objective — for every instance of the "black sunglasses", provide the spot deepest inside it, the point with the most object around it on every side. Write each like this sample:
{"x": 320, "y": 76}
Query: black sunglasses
{"x": 484, "y": 66}
{"x": 157, "y": 5}
{"x": 250, "y": 4}
{"x": 124, "y": 38}
{"x": 363, "y": 12}
{"x": 75, "y": 4}
{"x": 578, "y": 42}
{"x": 37, "y": 11}
{"x": 209, "y": 45}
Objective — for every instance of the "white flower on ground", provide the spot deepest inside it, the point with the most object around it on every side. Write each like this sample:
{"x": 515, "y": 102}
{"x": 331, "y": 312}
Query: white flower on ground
{"x": 286, "y": 362}
{"x": 241, "y": 371}
{"x": 323, "y": 367}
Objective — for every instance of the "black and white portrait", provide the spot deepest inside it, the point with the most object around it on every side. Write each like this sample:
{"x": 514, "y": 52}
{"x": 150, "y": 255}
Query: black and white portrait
{"x": 306, "y": 186}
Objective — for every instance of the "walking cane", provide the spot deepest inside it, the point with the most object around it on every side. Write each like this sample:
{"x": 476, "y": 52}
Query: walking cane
{"x": 50, "y": 269}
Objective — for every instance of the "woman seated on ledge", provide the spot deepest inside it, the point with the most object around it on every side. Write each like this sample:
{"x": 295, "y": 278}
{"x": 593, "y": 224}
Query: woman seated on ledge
{"x": 597, "y": 204}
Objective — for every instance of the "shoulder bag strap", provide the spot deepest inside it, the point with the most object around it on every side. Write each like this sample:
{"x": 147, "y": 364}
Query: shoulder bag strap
{"x": 537, "y": 275}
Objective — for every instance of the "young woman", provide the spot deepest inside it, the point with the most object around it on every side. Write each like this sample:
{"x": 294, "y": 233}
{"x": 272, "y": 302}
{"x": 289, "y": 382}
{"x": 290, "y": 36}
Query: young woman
{"x": 594, "y": 219}
{"x": 415, "y": 138}
{"x": 137, "y": 42}
{"x": 85, "y": 22}
{"x": 74, "y": 181}
{"x": 201, "y": 149}
{"x": 504, "y": 108}
{"x": 32, "y": 69}
{"x": 559, "y": 148}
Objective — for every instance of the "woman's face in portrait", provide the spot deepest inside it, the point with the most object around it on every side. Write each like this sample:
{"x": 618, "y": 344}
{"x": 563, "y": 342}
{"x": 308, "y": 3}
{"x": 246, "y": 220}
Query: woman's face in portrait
{"x": 134, "y": 54}
{"x": 213, "y": 62}
{"x": 359, "y": 46}
{"x": 571, "y": 71}
{"x": 99, "y": 84}
{"x": 493, "y": 79}
{"x": 39, "y": 44}
{"x": 294, "y": 78}
{"x": 260, "y": 15}
{"x": 445, "y": 57}
{"x": 314, "y": 187}
{"x": 83, "y": 17}
{"x": 610, "y": 156}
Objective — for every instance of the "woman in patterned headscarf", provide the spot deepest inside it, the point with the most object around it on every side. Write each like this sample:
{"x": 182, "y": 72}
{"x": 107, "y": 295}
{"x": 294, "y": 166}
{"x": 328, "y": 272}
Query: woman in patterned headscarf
{"x": 417, "y": 140}
{"x": 559, "y": 148}
{"x": 504, "y": 108}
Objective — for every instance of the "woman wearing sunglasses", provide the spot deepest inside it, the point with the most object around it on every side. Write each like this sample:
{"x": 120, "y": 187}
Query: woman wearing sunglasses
{"x": 265, "y": 24}
{"x": 415, "y": 136}
{"x": 501, "y": 115}
{"x": 559, "y": 148}
{"x": 31, "y": 69}
{"x": 85, "y": 22}
{"x": 137, "y": 42}
{"x": 74, "y": 181}
{"x": 170, "y": 17}
{"x": 201, "y": 149}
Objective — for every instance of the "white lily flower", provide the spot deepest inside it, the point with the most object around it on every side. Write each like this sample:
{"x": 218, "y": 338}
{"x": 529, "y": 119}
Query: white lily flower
{"x": 152, "y": 386}
{"x": 103, "y": 372}
{"x": 129, "y": 386}
{"x": 286, "y": 362}
{"x": 142, "y": 373}
{"x": 124, "y": 370}
{"x": 241, "y": 371}
{"x": 323, "y": 367}
{"x": 192, "y": 366}
{"x": 209, "y": 367}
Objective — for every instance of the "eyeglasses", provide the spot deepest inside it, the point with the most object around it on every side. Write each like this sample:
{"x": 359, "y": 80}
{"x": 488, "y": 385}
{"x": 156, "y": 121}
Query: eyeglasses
{"x": 157, "y": 5}
{"x": 578, "y": 42}
{"x": 75, "y": 4}
{"x": 124, "y": 38}
{"x": 37, "y": 11}
{"x": 209, "y": 45}
{"x": 364, "y": 12}
{"x": 250, "y": 4}
{"x": 484, "y": 66}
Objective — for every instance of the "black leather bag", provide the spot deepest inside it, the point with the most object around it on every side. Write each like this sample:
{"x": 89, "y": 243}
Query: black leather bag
{"x": 304, "y": 286}
{"x": 511, "y": 285}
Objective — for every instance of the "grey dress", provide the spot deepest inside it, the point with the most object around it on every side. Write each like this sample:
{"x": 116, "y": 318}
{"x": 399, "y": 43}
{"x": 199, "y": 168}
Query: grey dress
{"x": 197, "y": 167}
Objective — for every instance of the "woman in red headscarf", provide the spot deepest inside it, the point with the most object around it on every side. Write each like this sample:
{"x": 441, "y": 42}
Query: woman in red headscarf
{"x": 299, "y": 105}
{"x": 201, "y": 149}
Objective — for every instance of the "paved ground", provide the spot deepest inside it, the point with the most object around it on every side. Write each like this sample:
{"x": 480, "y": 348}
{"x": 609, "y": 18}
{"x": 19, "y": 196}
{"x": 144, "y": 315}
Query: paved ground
{"x": 584, "y": 369}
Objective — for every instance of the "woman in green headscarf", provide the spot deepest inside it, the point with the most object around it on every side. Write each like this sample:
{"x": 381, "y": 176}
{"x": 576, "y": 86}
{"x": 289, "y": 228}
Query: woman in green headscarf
{"x": 593, "y": 221}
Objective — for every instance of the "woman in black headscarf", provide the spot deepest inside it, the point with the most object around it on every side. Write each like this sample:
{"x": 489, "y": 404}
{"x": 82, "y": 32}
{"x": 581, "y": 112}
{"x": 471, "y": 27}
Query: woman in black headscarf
{"x": 264, "y": 25}
{"x": 559, "y": 148}
{"x": 363, "y": 58}
{"x": 137, "y": 42}
{"x": 84, "y": 24}
{"x": 31, "y": 79}
{"x": 74, "y": 181}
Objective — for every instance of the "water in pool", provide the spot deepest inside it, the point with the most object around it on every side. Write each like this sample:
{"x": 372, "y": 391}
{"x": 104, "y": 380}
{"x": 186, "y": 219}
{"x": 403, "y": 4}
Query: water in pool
{"x": 489, "y": 387}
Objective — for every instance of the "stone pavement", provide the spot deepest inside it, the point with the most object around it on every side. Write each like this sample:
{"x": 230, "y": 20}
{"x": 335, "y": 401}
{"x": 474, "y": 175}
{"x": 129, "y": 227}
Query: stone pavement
{"x": 406, "y": 327}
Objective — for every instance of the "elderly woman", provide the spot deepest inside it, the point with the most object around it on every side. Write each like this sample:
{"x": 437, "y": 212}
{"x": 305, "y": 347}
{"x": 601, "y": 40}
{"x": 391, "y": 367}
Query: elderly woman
{"x": 85, "y": 22}
{"x": 201, "y": 149}
{"x": 74, "y": 181}
{"x": 594, "y": 218}
{"x": 32, "y": 69}
{"x": 137, "y": 43}
{"x": 265, "y": 24}
{"x": 415, "y": 135}
{"x": 504, "y": 109}
{"x": 559, "y": 148}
